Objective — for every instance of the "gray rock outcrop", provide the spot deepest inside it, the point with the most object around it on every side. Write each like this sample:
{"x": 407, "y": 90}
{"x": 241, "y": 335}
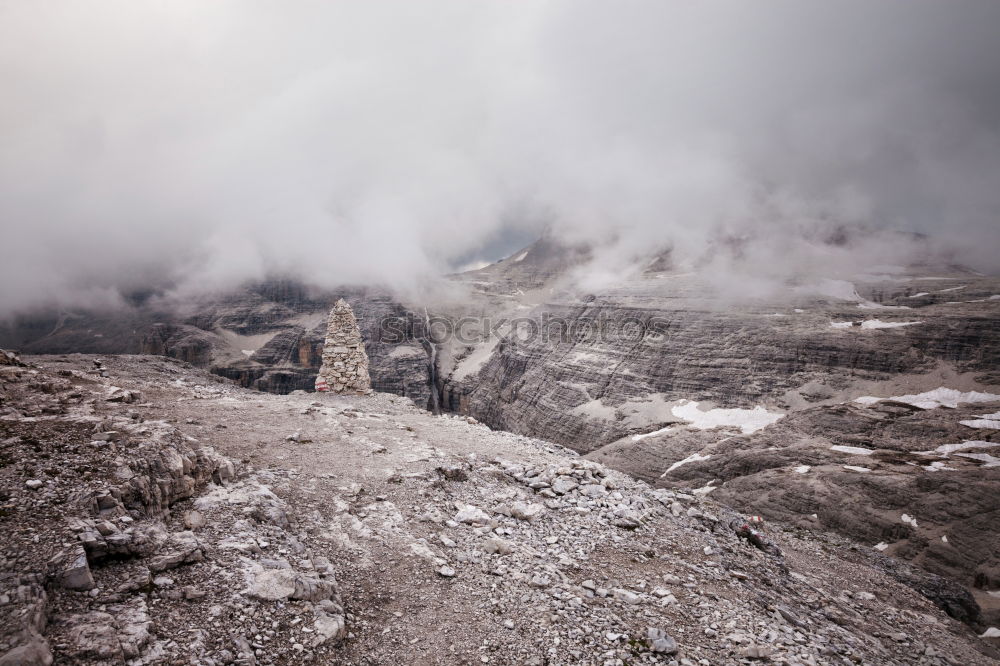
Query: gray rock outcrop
{"x": 99, "y": 566}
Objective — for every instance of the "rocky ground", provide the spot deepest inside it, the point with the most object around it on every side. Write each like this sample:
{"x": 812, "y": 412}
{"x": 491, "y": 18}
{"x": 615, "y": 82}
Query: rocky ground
{"x": 916, "y": 483}
{"x": 154, "y": 513}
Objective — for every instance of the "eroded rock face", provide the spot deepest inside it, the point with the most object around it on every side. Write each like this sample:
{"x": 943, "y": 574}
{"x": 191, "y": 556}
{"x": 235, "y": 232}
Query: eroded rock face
{"x": 345, "y": 363}
{"x": 268, "y": 336}
{"x": 586, "y": 369}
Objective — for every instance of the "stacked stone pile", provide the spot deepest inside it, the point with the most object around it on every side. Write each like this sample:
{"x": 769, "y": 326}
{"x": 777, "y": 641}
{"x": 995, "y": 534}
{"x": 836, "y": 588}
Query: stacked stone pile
{"x": 345, "y": 363}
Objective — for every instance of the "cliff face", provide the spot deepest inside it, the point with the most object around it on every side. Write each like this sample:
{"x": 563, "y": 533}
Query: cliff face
{"x": 754, "y": 399}
{"x": 578, "y": 393}
{"x": 267, "y": 336}
{"x": 588, "y": 371}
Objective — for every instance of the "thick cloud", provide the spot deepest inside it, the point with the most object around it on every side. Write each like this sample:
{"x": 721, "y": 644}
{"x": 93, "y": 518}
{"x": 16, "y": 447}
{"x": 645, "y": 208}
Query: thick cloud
{"x": 198, "y": 144}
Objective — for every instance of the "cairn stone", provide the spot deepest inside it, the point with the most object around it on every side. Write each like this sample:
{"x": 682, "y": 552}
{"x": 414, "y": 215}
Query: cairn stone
{"x": 345, "y": 363}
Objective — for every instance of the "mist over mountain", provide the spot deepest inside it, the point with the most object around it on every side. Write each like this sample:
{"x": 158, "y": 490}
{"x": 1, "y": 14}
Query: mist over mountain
{"x": 509, "y": 333}
{"x": 188, "y": 146}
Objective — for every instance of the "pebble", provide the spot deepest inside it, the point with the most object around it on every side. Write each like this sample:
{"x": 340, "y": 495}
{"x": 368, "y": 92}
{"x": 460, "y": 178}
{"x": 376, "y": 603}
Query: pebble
{"x": 660, "y": 641}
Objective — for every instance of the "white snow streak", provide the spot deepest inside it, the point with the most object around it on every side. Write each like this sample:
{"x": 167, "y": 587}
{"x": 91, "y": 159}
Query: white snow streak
{"x": 939, "y": 397}
{"x": 985, "y": 458}
{"x": 947, "y": 449}
{"x": 694, "y": 457}
{"x": 854, "y": 450}
{"x": 638, "y": 438}
{"x": 982, "y": 423}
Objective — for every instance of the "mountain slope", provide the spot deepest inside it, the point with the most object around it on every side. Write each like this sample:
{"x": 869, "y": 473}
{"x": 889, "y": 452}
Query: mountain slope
{"x": 433, "y": 539}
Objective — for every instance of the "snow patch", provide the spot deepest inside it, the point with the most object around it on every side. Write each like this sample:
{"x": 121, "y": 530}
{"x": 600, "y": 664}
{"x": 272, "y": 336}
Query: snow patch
{"x": 639, "y": 438}
{"x": 520, "y": 257}
{"x": 248, "y": 352}
{"x": 694, "y": 457}
{"x": 941, "y": 291}
{"x": 939, "y": 397}
{"x": 871, "y": 305}
{"x": 880, "y": 546}
{"x": 403, "y": 351}
{"x": 878, "y": 323}
{"x": 938, "y": 466}
{"x": 947, "y": 449}
{"x": 802, "y": 469}
{"x": 982, "y": 423}
{"x": 985, "y": 458}
{"x": 908, "y": 519}
{"x": 918, "y": 295}
{"x": 747, "y": 420}
{"x": 856, "y": 468}
{"x": 706, "y": 489}
{"x": 474, "y": 362}
{"x": 853, "y": 450}
{"x": 992, "y": 632}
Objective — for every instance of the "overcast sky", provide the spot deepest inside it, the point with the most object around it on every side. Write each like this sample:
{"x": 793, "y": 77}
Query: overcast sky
{"x": 199, "y": 144}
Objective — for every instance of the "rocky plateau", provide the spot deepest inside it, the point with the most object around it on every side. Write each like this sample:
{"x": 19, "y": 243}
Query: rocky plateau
{"x": 154, "y": 513}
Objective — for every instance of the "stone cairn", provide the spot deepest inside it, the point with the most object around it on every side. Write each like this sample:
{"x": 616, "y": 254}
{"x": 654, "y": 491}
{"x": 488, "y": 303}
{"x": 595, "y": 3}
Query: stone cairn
{"x": 345, "y": 363}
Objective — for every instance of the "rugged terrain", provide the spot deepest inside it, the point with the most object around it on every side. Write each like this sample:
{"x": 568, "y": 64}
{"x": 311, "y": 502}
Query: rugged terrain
{"x": 749, "y": 394}
{"x": 268, "y": 335}
{"x": 587, "y": 368}
{"x": 920, "y": 484}
{"x": 753, "y": 399}
{"x": 154, "y": 513}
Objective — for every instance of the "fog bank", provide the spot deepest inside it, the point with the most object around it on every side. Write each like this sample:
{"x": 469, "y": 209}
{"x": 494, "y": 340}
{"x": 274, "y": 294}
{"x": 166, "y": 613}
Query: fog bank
{"x": 191, "y": 146}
